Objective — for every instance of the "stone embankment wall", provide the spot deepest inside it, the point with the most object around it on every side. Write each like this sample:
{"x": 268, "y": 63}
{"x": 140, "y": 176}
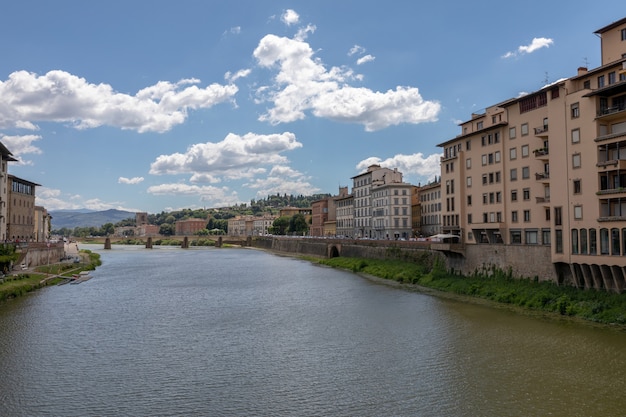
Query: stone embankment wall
{"x": 36, "y": 254}
{"x": 522, "y": 261}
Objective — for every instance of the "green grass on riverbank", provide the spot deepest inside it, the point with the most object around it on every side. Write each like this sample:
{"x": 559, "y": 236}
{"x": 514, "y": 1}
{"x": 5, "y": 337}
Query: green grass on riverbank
{"x": 596, "y": 306}
{"x": 16, "y": 285}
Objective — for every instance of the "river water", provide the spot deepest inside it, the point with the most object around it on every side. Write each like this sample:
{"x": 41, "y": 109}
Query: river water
{"x": 240, "y": 332}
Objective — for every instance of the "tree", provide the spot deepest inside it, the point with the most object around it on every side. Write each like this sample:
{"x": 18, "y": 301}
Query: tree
{"x": 167, "y": 229}
{"x": 280, "y": 225}
{"x": 298, "y": 224}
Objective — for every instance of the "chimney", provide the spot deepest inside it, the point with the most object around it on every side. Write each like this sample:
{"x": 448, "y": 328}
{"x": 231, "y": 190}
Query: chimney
{"x": 582, "y": 70}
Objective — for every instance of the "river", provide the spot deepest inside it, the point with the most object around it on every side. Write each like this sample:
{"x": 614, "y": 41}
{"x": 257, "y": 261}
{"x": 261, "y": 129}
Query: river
{"x": 240, "y": 332}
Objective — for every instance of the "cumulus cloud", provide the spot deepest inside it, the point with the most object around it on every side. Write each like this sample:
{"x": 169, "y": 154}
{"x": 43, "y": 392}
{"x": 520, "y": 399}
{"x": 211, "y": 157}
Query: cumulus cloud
{"x": 21, "y": 144}
{"x": 303, "y": 84}
{"x": 536, "y": 44}
{"x": 283, "y": 179}
{"x": 54, "y": 199}
{"x": 59, "y": 96}
{"x": 230, "y": 77}
{"x": 235, "y": 157}
{"x": 365, "y": 59}
{"x": 132, "y": 181}
{"x": 414, "y": 164}
{"x": 216, "y": 196}
{"x": 290, "y": 17}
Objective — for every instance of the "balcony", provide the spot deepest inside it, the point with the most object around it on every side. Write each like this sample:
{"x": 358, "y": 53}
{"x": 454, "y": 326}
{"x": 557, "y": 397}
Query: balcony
{"x": 611, "y": 113}
{"x": 611, "y": 191}
{"x": 612, "y": 219}
{"x": 542, "y": 200}
{"x": 541, "y": 131}
{"x": 542, "y": 176}
{"x": 613, "y": 164}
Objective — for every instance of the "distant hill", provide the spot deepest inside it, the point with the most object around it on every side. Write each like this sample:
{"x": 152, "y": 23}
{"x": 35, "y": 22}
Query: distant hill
{"x": 87, "y": 218}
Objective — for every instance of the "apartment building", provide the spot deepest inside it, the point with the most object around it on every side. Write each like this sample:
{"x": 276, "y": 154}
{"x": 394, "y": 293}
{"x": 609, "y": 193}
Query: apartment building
{"x": 21, "y": 209}
{"x": 189, "y": 227}
{"x": 548, "y": 169}
{"x": 344, "y": 213}
{"x": 391, "y": 207}
{"x": 362, "y": 191}
{"x": 250, "y": 225}
{"x": 430, "y": 206}
{"x": 5, "y": 157}
{"x": 319, "y": 216}
{"x": 42, "y": 224}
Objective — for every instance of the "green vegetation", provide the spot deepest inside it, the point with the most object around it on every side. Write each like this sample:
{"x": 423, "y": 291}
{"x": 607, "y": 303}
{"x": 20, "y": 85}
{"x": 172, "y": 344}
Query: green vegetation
{"x": 12, "y": 286}
{"x": 498, "y": 286}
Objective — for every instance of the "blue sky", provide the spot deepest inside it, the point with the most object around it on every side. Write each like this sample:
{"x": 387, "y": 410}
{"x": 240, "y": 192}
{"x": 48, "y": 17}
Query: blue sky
{"x": 161, "y": 105}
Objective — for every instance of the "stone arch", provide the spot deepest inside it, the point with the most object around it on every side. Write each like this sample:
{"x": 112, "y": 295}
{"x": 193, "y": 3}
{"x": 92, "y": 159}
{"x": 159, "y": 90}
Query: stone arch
{"x": 334, "y": 251}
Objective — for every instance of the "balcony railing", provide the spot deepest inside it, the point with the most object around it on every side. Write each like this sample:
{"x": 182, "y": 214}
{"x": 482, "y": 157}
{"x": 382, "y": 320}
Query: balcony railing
{"x": 543, "y": 199}
{"x": 613, "y": 164}
{"x": 608, "y": 191}
{"x": 541, "y": 131}
{"x": 612, "y": 218}
{"x": 611, "y": 110}
{"x": 542, "y": 176}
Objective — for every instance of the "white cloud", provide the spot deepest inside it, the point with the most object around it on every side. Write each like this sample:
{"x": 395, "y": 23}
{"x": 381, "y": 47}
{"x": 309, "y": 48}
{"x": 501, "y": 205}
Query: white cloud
{"x": 215, "y": 196}
{"x": 21, "y": 144}
{"x": 290, "y": 17}
{"x": 283, "y": 179}
{"x": 536, "y": 44}
{"x": 409, "y": 165}
{"x": 230, "y": 77}
{"x": 303, "y": 84}
{"x": 365, "y": 59}
{"x": 53, "y": 199}
{"x": 132, "y": 181}
{"x": 235, "y": 157}
{"x": 59, "y": 96}
{"x": 356, "y": 49}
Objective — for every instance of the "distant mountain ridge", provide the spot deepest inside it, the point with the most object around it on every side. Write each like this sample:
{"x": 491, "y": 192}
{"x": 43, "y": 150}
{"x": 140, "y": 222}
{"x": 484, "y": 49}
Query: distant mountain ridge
{"x": 87, "y": 218}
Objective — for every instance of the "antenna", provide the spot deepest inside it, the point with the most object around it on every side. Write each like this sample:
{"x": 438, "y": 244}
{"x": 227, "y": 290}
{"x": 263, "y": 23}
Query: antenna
{"x": 546, "y": 79}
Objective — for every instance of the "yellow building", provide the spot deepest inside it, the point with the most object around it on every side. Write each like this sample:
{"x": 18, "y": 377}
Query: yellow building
{"x": 21, "y": 209}
{"x": 546, "y": 169}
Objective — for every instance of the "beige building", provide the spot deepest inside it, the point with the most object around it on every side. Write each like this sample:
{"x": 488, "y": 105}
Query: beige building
{"x": 430, "y": 207}
{"x": 546, "y": 169}
{"x": 250, "y": 225}
{"x": 42, "y": 224}
{"x": 391, "y": 208}
{"x": 21, "y": 209}
{"x": 5, "y": 158}
{"x": 344, "y": 213}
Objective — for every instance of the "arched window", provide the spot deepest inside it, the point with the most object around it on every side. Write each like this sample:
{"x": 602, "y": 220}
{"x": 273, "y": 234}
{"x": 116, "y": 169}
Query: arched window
{"x": 583, "y": 241}
{"x": 593, "y": 243}
{"x": 615, "y": 242}
{"x": 604, "y": 241}
{"x": 574, "y": 241}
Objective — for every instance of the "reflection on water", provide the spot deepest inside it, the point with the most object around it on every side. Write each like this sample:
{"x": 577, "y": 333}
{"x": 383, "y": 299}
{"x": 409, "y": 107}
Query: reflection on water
{"x": 237, "y": 332}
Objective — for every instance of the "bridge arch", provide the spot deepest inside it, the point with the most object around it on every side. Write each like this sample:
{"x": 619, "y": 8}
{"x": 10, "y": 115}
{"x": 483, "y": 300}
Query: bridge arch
{"x": 334, "y": 251}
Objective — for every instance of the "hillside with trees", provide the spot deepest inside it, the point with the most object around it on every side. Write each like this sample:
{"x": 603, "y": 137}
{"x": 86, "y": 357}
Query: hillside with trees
{"x": 217, "y": 218}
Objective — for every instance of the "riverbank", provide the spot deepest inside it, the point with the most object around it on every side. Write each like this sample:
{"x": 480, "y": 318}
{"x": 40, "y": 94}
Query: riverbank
{"x": 494, "y": 288}
{"x": 19, "y": 284}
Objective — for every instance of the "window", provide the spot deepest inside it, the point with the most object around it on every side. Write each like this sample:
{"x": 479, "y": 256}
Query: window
{"x": 468, "y": 163}
{"x": 593, "y": 245}
{"x": 512, "y": 133}
{"x": 583, "y": 241}
{"x": 513, "y": 153}
{"x": 601, "y": 81}
{"x": 485, "y": 195}
{"x": 576, "y": 160}
{"x": 574, "y": 241}
{"x": 479, "y": 125}
{"x": 484, "y": 159}
{"x": 525, "y": 129}
{"x": 516, "y": 236}
{"x": 615, "y": 242}
{"x": 604, "y": 241}
{"x": 469, "y": 218}
{"x": 575, "y": 111}
{"x": 514, "y": 174}
{"x": 496, "y": 156}
{"x": 468, "y": 145}
{"x": 484, "y": 179}
{"x": 469, "y": 181}
{"x": 558, "y": 218}
{"x": 587, "y": 84}
{"x": 558, "y": 244}
{"x": 611, "y": 77}
{"x": 513, "y": 195}
{"x": 623, "y": 32}
{"x": 526, "y": 194}
{"x": 526, "y": 215}
{"x": 576, "y": 136}
{"x": 531, "y": 237}
{"x": 577, "y": 186}
{"x": 578, "y": 212}
{"x": 469, "y": 200}
{"x": 524, "y": 151}
{"x": 514, "y": 216}
{"x": 497, "y": 176}
{"x": 545, "y": 236}
{"x": 525, "y": 173}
